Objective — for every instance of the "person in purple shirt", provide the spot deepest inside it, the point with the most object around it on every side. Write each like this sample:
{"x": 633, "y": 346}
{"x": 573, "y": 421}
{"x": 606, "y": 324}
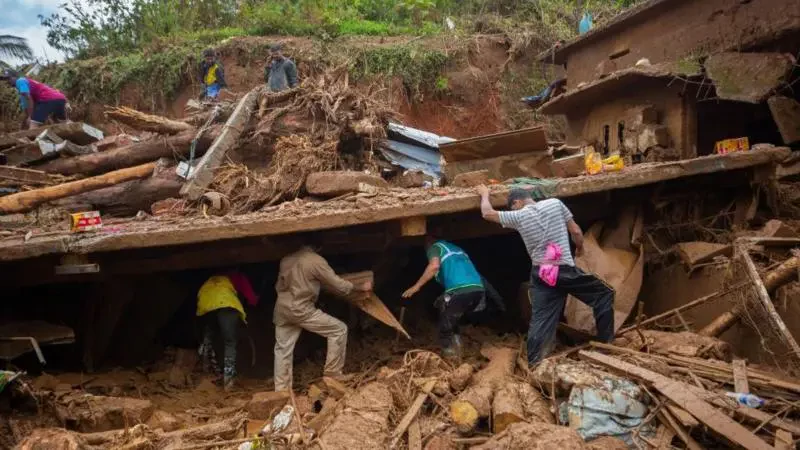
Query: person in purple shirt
{"x": 38, "y": 100}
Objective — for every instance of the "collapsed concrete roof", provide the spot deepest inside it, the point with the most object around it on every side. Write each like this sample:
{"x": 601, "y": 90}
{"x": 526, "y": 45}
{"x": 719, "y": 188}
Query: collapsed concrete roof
{"x": 391, "y": 205}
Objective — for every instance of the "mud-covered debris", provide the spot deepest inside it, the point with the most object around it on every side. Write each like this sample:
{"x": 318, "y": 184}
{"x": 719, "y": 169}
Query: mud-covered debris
{"x": 264, "y": 404}
{"x": 363, "y": 422}
{"x": 535, "y": 436}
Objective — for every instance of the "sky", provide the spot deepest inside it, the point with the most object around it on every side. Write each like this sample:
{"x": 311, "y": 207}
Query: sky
{"x": 21, "y": 18}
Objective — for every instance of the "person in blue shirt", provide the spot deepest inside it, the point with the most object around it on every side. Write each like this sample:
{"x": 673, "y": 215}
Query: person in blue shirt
{"x": 464, "y": 290}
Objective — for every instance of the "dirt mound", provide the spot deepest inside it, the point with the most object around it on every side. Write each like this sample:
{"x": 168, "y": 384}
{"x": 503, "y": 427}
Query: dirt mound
{"x": 535, "y": 436}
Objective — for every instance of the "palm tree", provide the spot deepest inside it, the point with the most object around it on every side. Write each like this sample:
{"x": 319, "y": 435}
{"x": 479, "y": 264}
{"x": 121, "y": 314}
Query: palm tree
{"x": 14, "y": 47}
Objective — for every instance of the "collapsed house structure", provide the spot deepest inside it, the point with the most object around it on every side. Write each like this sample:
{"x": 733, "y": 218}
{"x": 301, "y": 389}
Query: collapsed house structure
{"x": 684, "y": 237}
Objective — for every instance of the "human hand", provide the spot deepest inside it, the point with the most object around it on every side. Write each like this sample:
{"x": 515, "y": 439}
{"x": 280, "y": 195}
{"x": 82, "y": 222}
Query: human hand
{"x": 483, "y": 190}
{"x": 410, "y": 292}
{"x": 579, "y": 250}
{"x": 366, "y": 286}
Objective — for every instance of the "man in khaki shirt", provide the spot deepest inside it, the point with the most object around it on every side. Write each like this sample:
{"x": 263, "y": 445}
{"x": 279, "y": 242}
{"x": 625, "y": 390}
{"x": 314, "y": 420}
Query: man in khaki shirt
{"x": 299, "y": 279}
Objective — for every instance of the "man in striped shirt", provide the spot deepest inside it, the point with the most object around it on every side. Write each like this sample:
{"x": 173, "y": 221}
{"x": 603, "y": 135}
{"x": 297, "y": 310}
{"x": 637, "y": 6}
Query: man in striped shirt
{"x": 543, "y": 224}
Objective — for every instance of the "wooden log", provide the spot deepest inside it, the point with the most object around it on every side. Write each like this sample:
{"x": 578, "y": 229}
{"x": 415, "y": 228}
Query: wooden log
{"x": 125, "y": 199}
{"x": 459, "y": 378}
{"x": 25, "y": 201}
{"x": 130, "y": 155}
{"x": 267, "y": 99}
{"x": 763, "y": 294}
{"x": 204, "y": 174}
{"x": 475, "y": 402}
{"x": 146, "y": 122}
{"x": 414, "y": 436}
{"x": 682, "y": 394}
{"x": 506, "y": 407}
{"x": 75, "y": 132}
{"x": 774, "y": 279}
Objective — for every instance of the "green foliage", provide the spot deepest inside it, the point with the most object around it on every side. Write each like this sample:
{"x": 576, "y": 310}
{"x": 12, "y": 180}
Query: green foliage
{"x": 159, "y": 74}
{"x": 14, "y": 47}
{"x": 419, "y": 68}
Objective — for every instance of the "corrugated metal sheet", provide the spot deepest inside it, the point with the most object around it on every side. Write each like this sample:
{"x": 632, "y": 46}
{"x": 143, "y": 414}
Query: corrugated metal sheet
{"x": 412, "y": 157}
{"x": 402, "y": 133}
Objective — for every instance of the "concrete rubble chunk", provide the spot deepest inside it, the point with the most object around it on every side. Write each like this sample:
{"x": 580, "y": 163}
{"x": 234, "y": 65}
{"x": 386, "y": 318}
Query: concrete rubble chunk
{"x": 471, "y": 179}
{"x": 786, "y": 113}
{"x": 640, "y": 115}
{"x": 411, "y": 179}
{"x": 336, "y": 183}
{"x": 747, "y": 77}
{"x": 163, "y": 420}
{"x": 570, "y": 166}
{"x": 652, "y": 136}
{"x": 91, "y": 413}
{"x": 263, "y": 404}
{"x": 777, "y": 229}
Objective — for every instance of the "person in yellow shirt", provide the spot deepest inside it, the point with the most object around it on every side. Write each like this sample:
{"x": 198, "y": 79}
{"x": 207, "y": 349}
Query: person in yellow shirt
{"x": 220, "y": 309}
{"x": 212, "y": 76}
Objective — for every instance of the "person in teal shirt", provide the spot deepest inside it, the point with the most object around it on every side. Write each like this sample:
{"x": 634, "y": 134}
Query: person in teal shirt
{"x": 464, "y": 290}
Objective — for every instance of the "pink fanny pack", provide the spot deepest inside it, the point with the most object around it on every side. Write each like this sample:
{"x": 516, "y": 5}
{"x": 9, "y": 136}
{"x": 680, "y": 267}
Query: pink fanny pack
{"x": 549, "y": 272}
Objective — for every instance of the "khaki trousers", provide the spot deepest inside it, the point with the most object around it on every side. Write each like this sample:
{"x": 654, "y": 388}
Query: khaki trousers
{"x": 286, "y": 336}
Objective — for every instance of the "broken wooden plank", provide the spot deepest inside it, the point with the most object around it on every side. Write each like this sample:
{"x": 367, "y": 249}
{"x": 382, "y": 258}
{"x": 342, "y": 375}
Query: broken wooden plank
{"x": 763, "y": 294}
{"x": 336, "y": 388}
{"x": 25, "y": 176}
{"x": 683, "y": 416}
{"x": 25, "y": 201}
{"x": 682, "y": 395}
{"x": 534, "y": 164}
{"x": 411, "y": 414}
{"x": 203, "y": 175}
{"x": 664, "y": 437}
{"x": 694, "y": 253}
{"x": 370, "y": 303}
{"x": 499, "y": 144}
{"x": 678, "y": 430}
{"x": 784, "y": 440}
{"x": 740, "y": 376}
{"x": 414, "y": 436}
{"x": 786, "y": 113}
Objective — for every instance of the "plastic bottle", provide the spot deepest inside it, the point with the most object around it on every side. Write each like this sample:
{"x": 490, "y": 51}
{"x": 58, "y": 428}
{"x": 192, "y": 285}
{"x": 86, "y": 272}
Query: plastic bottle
{"x": 753, "y": 401}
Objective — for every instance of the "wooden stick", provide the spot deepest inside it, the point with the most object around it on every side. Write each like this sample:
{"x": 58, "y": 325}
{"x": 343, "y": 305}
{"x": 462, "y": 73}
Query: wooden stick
{"x": 666, "y": 417}
{"x": 740, "y": 376}
{"x": 411, "y": 414}
{"x": 766, "y": 301}
{"x": 414, "y": 436}
{"x": 221, "y": 443}
{"x": 25, "y": 201}
{"x": 300, "y": 424}
{"x": 690, "y": 305}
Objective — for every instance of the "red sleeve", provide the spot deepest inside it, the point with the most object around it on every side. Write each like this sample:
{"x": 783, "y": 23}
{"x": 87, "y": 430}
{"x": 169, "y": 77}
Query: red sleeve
{"x": 243, "y": 287}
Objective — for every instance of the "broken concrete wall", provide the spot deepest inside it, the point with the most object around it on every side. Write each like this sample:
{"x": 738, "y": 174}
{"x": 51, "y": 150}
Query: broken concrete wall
{"x": 665, "y": 118}
{"x": 675, "y": 29}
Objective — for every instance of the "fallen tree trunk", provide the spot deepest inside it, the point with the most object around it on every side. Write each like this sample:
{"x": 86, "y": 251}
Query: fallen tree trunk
{"x": 227, "y": 138}
{"x": 475, "y": 402}
{"x": 128, "y": 198}
{"x": 781, "y": 275}
{"x": 146, "y": 122}
{"x": 224, "y": 429}
{"x": 25, "y": 201}
{"x": 131, "y": 155}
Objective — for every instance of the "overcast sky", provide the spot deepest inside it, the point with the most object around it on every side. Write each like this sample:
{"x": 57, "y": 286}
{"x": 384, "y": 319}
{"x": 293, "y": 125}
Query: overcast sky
{"x": 21, "y": 18}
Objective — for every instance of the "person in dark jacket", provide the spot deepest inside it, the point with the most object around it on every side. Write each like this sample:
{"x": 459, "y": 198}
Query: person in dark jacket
{"x": 280, "y": 73}
{"x": 211, "y": 75}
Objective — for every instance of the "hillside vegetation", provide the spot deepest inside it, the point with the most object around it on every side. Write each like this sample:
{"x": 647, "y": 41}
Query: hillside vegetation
{"x": 146, "y": 50}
